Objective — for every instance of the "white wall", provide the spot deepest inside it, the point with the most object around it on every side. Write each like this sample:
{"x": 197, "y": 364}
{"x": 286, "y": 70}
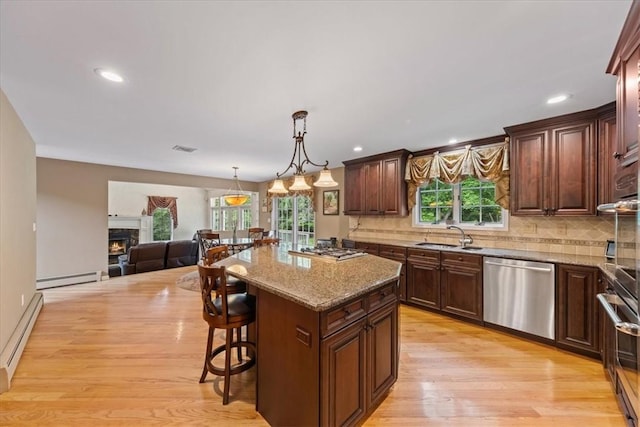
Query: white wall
{"x": 129, "y": 199}
{"x": 17, "y": 217}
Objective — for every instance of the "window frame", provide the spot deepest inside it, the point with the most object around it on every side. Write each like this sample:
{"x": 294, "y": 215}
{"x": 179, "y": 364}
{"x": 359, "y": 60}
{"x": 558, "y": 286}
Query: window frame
{"x": 217, "y": 214}
{"x": 457, "y": 213}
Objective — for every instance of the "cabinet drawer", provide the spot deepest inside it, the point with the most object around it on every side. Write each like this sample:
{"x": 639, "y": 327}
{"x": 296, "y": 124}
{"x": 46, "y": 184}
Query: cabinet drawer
{"x": 382, "y": 296}
{"x": 393, "y": 252}
{"x": 370, "y": 248}
{"x": 423, "y": 255}
{"x": 458, "y": 258}
{"x": 339, "y": 317}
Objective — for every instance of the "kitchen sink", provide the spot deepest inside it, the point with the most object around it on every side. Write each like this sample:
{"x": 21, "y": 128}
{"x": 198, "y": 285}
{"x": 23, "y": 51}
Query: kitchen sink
{"x": 471, "y": 248}
{"x": 436, "y": 244}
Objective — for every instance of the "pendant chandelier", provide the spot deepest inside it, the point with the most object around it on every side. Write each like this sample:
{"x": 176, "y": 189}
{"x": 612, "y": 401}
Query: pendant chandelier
{"x": 299, "y": 183}
{"x": 236, "y": 197}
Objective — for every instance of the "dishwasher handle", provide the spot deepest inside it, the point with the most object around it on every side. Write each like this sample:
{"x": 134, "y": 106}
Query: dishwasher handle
{"x": 524, "y": 267}
{"x": 606, "y": 300}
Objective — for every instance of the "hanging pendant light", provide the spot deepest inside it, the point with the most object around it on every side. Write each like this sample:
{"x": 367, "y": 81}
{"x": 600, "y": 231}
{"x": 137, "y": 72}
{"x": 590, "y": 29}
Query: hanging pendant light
{"x": 236, "y": 197}
{"x": 299, "y": 183}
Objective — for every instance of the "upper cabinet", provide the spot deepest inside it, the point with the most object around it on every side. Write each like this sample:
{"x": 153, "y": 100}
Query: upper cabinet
{"x": 553, "y": 166}
{"x": 375, "y": 185}
{"x": 625, "y": 63}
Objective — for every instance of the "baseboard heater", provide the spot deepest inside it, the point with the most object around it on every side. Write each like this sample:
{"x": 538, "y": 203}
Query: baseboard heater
{"x": 10, "y": 355}
{"x": 73, "y": 279}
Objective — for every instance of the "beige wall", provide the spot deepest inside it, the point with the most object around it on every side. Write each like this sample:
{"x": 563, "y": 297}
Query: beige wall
{"x": 72, "y": 209}
{"x": 17, "y": 217}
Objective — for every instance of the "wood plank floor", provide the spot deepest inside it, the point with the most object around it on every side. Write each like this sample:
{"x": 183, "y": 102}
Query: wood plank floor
{"x": 129, "y": 352}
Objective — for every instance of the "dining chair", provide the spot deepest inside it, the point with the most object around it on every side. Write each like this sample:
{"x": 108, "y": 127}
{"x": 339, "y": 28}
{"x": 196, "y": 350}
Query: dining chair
{"x": 207, "y": 239}
{"x": 266, "y": 242}
{"x": 255, "y": 232}
{"x": 222, "y": 310}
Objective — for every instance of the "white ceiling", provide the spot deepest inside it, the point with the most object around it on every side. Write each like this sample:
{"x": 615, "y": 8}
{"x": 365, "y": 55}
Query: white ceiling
{"x": 225, "y": 77}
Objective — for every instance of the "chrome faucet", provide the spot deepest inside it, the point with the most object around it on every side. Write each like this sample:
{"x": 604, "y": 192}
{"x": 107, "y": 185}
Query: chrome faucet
{"x": 465, "y": 240}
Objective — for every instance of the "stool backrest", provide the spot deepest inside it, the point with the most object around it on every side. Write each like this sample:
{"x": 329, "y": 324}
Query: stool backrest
{"x": 213, "y": 285}
{"x": 215, "y": 254}
{"x": 255, "y": 232}
{"x": 266, "y": 242}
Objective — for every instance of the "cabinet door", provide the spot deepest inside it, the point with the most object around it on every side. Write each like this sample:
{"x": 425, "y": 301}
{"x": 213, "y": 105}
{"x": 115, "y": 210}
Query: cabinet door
{"x": 382, "y": 352}
{"x": 628, "y": 106}
{"x": 343, "y": 376}
{"x": 577, "y": 326}
{"x": 572, "y": 168}
{"x": 528, "y": 152}
{"x": 423, "y": 284}
{"x": 607, "y": 164}
{"x": 372, "y": 188}
{"x": 392, "y": 183}
{"x": 354, "y": 189}
{"x": 461, "y": 288}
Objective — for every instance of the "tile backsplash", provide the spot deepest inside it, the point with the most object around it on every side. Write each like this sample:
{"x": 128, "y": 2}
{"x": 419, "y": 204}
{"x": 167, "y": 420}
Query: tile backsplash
{"x": 573, "y": 236}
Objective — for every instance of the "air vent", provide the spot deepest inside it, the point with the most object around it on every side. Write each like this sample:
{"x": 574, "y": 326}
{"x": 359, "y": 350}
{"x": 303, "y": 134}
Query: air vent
{"x": 183, "y": 148}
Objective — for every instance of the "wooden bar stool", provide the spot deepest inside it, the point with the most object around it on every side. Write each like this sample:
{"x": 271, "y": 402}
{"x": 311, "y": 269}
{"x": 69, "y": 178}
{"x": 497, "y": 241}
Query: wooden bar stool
{"x": 222, "y": 310}
{"x": 266, "y": 242}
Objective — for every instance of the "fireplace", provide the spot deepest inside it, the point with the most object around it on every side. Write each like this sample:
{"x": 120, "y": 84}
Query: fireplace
{"x": 120, "y": 240}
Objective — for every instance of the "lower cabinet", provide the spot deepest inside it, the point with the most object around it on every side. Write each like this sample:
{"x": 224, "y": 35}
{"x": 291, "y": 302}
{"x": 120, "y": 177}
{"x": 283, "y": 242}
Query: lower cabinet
{"x": 359, "y": 366}
{"x": 445, "y": 281}
{"x": 577, "y": 309}
{"x": 397, "y": 253}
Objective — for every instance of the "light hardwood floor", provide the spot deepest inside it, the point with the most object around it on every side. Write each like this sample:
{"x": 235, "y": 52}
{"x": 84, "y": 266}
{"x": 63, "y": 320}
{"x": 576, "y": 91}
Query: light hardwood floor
{"x": 129, "y": 352}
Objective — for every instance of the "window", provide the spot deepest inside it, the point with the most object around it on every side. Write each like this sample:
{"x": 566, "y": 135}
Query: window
{"x": 295, "y": 219}
{"x": 225, "y": 217}
{"x": 470, "y": 203}
{"x": 162, "y": 224}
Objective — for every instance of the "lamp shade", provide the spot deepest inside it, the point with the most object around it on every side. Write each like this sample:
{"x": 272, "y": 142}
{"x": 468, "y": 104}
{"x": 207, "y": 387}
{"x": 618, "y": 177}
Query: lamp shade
{"x": 325, "y": 180}
{"x": 236, "y": 199}
{"x": 299, "y": 184}
{"x": 278, "y": 187}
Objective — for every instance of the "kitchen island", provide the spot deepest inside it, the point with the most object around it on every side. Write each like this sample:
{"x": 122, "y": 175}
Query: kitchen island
{"x": 326, "y": 334}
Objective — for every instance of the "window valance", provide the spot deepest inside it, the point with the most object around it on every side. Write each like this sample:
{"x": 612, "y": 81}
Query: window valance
{"x": 170, "y": 203}
{"x": 488, "y": 163}
{"x": 288, "y": 183}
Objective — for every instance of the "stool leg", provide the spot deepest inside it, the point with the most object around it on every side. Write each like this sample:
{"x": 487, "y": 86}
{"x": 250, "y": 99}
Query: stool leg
{"x": 239, "y": 348}
{"x": 207, "y": 355}
{"x": 227, "y": 366}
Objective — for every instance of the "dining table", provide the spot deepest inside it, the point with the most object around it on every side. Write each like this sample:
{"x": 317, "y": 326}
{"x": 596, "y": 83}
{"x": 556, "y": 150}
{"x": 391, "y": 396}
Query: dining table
{"x": 237, "y": 244}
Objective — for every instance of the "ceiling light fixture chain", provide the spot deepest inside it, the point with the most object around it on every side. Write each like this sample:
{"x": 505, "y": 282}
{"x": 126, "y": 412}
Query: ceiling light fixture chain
{"x": 325, "y": 180}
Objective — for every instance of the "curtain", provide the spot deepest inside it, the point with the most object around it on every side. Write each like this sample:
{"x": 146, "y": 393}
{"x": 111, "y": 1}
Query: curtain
{"x": 170, "y": 203}
{"x": 489, "y": 163}
{"x": 288, "y": 182}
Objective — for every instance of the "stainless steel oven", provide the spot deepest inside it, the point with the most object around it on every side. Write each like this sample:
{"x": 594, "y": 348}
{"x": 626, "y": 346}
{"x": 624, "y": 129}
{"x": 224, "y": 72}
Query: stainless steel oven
{"x": 621, "y": 305}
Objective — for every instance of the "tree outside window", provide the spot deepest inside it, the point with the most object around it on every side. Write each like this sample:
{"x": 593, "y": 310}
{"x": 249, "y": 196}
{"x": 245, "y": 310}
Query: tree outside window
{"x": 162, "y": 224}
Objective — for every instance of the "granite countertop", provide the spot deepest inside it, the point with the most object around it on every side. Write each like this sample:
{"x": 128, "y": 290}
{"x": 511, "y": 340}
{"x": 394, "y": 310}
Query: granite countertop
{"x": 586, "y": 260}
{"x": 313, "y": 282}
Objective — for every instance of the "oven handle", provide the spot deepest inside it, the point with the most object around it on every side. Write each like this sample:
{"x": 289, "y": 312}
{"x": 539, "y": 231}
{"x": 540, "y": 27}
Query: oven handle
{"x": 606, "y": 300}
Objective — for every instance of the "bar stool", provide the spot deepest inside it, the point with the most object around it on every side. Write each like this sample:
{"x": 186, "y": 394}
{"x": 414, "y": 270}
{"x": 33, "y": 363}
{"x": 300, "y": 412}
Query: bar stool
{"x": 222, "y": 310}
{"x": 266, "y": 242}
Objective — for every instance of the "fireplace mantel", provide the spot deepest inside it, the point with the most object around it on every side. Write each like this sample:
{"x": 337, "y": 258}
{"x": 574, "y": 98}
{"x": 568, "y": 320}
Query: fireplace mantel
{"x": 142, "y": 223}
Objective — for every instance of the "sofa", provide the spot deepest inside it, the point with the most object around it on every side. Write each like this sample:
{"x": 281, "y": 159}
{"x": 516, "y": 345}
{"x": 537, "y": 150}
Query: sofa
{"x": 158, "y": 256}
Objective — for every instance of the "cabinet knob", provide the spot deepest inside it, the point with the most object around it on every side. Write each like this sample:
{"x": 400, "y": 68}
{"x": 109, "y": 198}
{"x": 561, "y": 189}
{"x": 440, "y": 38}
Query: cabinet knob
{"x": 617, "y": 155}
{"x": 346, "y": 311}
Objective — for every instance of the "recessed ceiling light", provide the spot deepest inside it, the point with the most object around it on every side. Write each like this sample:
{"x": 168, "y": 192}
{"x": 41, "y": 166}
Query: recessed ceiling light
{"x": 556, "y": 99}
{"x": 453, "y": 141}
{"x": 357, "y": 149}
{"x": 109, "y": 75}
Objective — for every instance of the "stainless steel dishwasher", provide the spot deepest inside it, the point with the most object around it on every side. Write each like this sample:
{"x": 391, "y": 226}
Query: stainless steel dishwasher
{"x": 520, "y": 295}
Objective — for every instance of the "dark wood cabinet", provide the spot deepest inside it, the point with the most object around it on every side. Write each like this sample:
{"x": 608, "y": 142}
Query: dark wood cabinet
{"x": 607, "y": 149}
{"x": 578, "y": 312}
{"x": 461, "y": 285}
{"x": 445, "y": 281}
{"x": 360, "y": 364}
{"x": 625, "y": 63}
{"x": 370, "y": 248}
{"x": 553, "y": 166}
{"x": 397, "y": 253}
{"x": 423, "y": 278}
{"x": 375, "y": 185}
